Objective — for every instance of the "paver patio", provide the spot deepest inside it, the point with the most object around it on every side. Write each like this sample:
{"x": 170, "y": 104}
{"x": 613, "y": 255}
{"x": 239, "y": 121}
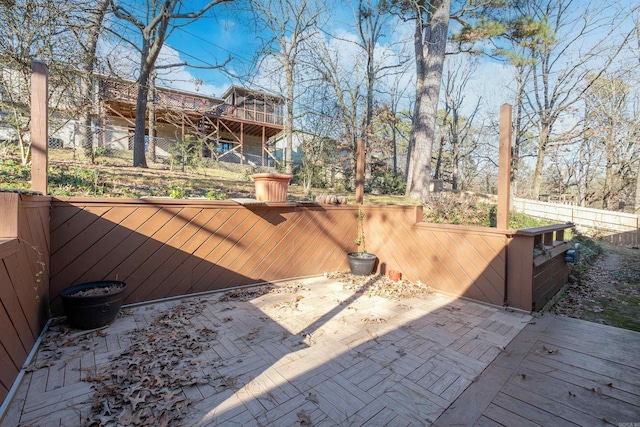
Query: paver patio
{"x": 313, "y": 352}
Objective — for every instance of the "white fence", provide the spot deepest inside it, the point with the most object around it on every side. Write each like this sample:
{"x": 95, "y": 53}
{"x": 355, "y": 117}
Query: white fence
{"x": 618, "y": 227}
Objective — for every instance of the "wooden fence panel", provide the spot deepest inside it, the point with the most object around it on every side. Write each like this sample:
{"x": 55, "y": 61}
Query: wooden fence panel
{"x": 619, "y": 227}
{"x": 24, "y": 275}
{"x": 166, "y": 248}
{"x": 465, "y": 261}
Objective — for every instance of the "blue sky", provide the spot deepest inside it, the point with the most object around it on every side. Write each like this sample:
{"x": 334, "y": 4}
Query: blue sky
{"x": 227, "y": 31}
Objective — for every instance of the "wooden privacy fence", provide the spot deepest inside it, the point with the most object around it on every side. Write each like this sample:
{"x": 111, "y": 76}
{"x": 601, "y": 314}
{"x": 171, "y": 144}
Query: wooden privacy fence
{"x": 166, "y": 247}
{"x": 24, "y": 281}
{"x": 618, "y": 227}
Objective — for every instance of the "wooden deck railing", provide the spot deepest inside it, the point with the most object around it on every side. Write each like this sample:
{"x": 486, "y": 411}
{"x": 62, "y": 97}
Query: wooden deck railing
{"x": 128, "y": 92}
{"x": 537, "y": 269}
{"x": 167, "y": 247}
{"x": 24, "y": 280}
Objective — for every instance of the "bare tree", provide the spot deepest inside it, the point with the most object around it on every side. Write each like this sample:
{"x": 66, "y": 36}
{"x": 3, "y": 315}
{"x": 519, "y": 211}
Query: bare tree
{"x": 459, "y": 127}
{"x": 291, "y": 23}
{"x": 560, "y": 62}
{"x": 613, "y": 127}
{"x": 87, "y": 27}
{"x": 346, "y": 80}
{"x": 159, "y": 20}
{"x": 34, "y": 29}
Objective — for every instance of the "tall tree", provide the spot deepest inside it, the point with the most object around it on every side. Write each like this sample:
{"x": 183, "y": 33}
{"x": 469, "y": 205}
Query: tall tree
{"x": 458, "y": 127}
{"x": 560, "y": 62}
{"x": 87, "y": 28}
{"x": 431, "y": 29}
{"x": 29, "y": 30}
{"x": 430, "y": 43}
{"x": 613, "y": 126}
{"x": 155, "y": 26}
{"x": 291, "y": 23}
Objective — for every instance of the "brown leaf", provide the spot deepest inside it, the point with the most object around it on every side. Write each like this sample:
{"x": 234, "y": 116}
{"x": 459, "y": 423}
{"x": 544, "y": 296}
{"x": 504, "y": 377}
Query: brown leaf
{"x": 311, "y": 397}
{"x": 303, "y": 419}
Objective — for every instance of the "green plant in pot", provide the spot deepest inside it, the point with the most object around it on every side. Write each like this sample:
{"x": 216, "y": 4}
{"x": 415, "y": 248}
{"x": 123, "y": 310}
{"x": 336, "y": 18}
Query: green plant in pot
{"x": 361, "y": 263}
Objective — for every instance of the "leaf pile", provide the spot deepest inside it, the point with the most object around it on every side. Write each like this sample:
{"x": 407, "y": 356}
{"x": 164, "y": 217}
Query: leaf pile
{"x": 98, "y": 290}
{"x": 381, "y": 286}
{"x": 143, "y": 384}
{"x": 245, "y": 294}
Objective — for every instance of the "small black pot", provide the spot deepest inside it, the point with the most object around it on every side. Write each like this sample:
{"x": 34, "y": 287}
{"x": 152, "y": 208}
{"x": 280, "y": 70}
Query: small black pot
{"x": 92, "y": 311}
{"x": 361, "y": 263}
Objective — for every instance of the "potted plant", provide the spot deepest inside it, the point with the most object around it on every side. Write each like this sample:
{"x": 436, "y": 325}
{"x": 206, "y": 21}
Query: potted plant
{"x": 94, "y": 304}
{"x": 361, "y": 263}
{"x": 271, "y": 187}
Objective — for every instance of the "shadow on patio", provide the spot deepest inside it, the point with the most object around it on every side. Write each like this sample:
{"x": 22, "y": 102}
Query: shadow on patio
{"x": 315, "y": 350}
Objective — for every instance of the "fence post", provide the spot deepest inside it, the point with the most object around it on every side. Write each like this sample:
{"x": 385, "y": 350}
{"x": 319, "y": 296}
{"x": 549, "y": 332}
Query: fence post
{"x": 504, "y": 167}
{"x": 39, "y": 128}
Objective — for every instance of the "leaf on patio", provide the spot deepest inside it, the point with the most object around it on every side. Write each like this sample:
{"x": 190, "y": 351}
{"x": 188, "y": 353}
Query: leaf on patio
{"x": 597, "y": 390}
{"x": 303, "y": 419}
{"x": 374, "y": 320}
{"x": 312, "y": 397}
{"x": 291, "y": 305}
{"x": 245, "y": 294}
{"x": 253, "y": 334}
{"x": 381, "y": 286}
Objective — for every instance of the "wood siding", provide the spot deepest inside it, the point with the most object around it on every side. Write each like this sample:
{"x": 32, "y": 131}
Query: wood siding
{"x": 24, "y": 255}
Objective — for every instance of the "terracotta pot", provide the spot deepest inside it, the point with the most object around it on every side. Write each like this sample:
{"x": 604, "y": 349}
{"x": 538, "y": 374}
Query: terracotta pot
{"x": 271, "y": 187}
{"x": 395, "y": 275}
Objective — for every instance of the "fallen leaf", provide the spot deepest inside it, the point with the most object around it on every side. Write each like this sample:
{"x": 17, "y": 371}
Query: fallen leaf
{"x": 311, "y": 397}
{"x": 303, "y": 419}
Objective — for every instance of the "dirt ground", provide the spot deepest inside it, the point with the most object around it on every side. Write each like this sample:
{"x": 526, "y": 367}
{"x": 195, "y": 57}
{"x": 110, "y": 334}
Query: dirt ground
{"x": 607, "y": 290}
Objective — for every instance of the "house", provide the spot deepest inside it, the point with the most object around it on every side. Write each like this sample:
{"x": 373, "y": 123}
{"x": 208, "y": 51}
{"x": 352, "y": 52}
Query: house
{"x": 240, "y": 127}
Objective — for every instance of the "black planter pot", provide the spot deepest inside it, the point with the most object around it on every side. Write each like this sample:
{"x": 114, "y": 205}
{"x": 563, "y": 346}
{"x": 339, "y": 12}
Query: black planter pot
{"x": 92, "y": 311}
{"x": 361, "y": 263}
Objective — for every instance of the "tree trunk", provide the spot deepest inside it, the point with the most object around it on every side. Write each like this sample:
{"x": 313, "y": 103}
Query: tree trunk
{"x": 425, "y": 113}
{"x": 152, "y": 117}
{"x": 139, "y": 157}
{"x": 543, "y": 140}
{"x": 637, "y": 197}
{"x": 288, "y": 124}
{"x": 86, "y": 80}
